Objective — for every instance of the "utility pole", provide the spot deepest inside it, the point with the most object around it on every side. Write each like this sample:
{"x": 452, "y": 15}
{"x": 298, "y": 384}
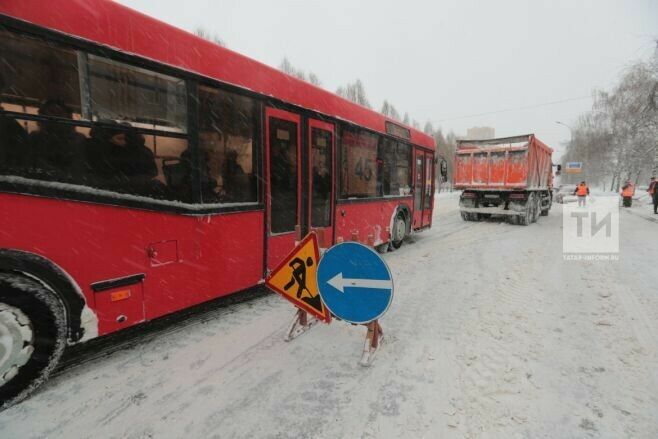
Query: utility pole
{"x": 564, "y": 179}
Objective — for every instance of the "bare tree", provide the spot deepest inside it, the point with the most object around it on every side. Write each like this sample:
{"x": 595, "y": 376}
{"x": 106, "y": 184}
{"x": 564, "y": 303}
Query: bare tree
{"x": 287, "y": 67}
{"x": 617, "y": 139}
{"x": 313, "y": 79}
{"x": 389, "y": 110}
{"x": 210, "y": 36}
{"x": 429, "y": 128}
{"x": 354, "y": 92}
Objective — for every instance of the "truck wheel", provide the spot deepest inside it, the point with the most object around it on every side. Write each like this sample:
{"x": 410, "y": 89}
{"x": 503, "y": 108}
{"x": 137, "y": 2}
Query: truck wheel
{"x": 527, "y": 217}
{"x": 32, "y": 336}
{"x": 536, "y": 207}
{"x": 464, "y": 216}
{"x": 544, "y": 212}
{"x": 399, "y": 231}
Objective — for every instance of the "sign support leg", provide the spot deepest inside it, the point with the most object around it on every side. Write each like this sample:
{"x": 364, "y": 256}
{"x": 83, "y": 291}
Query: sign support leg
{"x": 300, "y": 324}
{"x": 374, "y": 338}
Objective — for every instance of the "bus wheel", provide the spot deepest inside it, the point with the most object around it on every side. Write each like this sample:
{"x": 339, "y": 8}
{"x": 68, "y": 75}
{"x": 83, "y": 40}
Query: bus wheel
{"x": 32, "y": 336}
{"x": 399, "y": 231}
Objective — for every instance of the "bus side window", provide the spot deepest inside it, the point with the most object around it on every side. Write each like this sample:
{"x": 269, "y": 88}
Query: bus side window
{"x": 359, "y": 171}
{"x": 39, "y": 79}
{"x": 130, "y": 99}
{"x": 227, "y": 133}
{"x": 403, "y": 168}
{"x": 394, "y": 169}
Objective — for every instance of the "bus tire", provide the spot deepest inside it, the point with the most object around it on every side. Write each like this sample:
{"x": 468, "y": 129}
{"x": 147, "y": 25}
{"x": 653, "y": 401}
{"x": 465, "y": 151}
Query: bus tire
{"x": 399, "y": 231}
{"x": 32, "y": 336}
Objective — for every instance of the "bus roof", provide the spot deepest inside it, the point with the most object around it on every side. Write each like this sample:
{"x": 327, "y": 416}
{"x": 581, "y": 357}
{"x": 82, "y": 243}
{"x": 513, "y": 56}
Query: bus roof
{"x": 117, "y": 26}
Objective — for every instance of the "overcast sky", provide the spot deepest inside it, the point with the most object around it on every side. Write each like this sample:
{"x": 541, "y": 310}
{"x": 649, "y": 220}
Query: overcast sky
{"x": 442, "y": 60}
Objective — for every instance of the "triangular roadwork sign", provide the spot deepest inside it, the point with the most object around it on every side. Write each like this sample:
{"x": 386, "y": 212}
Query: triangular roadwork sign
{"x": 295, "y": 278}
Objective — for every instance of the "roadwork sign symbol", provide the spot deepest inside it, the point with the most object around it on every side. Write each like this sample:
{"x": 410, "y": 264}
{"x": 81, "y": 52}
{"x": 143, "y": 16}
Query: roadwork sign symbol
{"x": 295, "y": 278}
{"x": 355, "y": 283}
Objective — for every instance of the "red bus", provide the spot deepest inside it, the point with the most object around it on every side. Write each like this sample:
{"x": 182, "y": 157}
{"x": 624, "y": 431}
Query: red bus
{"x": 144, "y": 170}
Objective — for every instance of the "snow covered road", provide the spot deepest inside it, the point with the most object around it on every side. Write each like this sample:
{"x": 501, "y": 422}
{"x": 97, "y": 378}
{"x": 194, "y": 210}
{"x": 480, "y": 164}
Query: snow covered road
{"x": 491, "y": 335}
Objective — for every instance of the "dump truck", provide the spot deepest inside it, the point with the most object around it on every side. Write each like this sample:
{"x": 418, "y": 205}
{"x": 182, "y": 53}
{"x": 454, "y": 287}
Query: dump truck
{"x": 511, "y": 176}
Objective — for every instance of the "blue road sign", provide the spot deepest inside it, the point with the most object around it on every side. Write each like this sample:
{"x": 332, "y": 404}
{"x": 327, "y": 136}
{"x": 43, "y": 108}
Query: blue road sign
{"x": 355, "y": 282}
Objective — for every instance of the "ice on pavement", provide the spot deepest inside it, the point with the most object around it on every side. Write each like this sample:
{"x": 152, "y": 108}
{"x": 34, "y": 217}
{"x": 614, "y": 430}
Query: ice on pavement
{"x": 491, "y": 335}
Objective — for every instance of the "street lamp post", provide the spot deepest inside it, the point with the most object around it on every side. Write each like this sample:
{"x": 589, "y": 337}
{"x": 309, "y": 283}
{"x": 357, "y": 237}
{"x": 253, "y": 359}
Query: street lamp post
{"x": 569, "y": 128}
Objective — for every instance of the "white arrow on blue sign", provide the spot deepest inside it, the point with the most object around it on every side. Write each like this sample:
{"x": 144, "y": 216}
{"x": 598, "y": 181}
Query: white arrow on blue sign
{"x": 355, "y": 283}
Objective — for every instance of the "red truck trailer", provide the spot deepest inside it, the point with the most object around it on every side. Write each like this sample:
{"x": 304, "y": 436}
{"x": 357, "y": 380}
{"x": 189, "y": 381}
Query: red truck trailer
{"x": 511, "y": 176}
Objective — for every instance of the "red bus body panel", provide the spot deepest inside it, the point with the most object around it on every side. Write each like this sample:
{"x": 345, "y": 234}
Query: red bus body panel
{"x": 524, "y": 165}
{"x": 367, "y": 222}
{"x": 215, "y": 255}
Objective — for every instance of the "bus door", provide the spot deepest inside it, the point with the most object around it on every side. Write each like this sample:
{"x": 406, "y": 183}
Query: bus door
{"x": 419, "y": 183}
{"x": 283, "y": 152}
{"x": 423, "y": 188}
{"x": 429, "y": 189}
{"x": 321, "y": 141}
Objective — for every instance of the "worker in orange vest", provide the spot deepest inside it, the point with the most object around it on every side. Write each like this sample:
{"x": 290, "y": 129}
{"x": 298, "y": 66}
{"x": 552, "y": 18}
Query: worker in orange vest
{"x": 582, "y": 191}
{"x": 627, "y": 192}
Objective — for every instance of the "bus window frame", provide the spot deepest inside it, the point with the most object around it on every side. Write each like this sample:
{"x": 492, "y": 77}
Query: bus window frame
{"x": 49, "y": 189}
{"x": 18, "y": 26}
{"x": 340, "y": 125}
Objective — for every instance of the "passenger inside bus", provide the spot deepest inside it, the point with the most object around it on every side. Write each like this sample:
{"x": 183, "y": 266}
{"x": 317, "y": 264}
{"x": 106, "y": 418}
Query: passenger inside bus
{"x": 321, "y": 208}
{"x": 55, "y": 147}
{"x": 236, "y": 182}
{"x": 13, "y": 138}
{"x": 119, "y": 160}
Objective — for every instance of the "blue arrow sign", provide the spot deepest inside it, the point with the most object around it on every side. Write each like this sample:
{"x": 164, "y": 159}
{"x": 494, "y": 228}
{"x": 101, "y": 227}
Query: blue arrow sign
{"x": 355, "y": 283}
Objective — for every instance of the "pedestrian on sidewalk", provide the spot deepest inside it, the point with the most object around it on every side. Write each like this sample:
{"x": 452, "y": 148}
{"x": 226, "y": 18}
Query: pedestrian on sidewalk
{"x": 627, "y": 192}
{"x": 582, "y": 191}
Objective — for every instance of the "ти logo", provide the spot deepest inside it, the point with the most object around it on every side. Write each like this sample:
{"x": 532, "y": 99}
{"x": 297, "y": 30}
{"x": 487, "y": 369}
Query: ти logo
{"x": 592, "y": 229}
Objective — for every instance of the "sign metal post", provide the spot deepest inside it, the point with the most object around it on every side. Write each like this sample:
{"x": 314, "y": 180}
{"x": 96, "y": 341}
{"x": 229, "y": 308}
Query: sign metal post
{"x": 356, "y": 286}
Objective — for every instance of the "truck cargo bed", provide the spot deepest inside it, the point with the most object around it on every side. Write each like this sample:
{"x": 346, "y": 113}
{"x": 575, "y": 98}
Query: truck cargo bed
{"x": 511, "y": 163}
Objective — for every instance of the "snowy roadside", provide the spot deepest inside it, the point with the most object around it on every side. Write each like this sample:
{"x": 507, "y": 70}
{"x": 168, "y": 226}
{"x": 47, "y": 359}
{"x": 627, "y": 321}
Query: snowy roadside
{"x": 491, "y": 335}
